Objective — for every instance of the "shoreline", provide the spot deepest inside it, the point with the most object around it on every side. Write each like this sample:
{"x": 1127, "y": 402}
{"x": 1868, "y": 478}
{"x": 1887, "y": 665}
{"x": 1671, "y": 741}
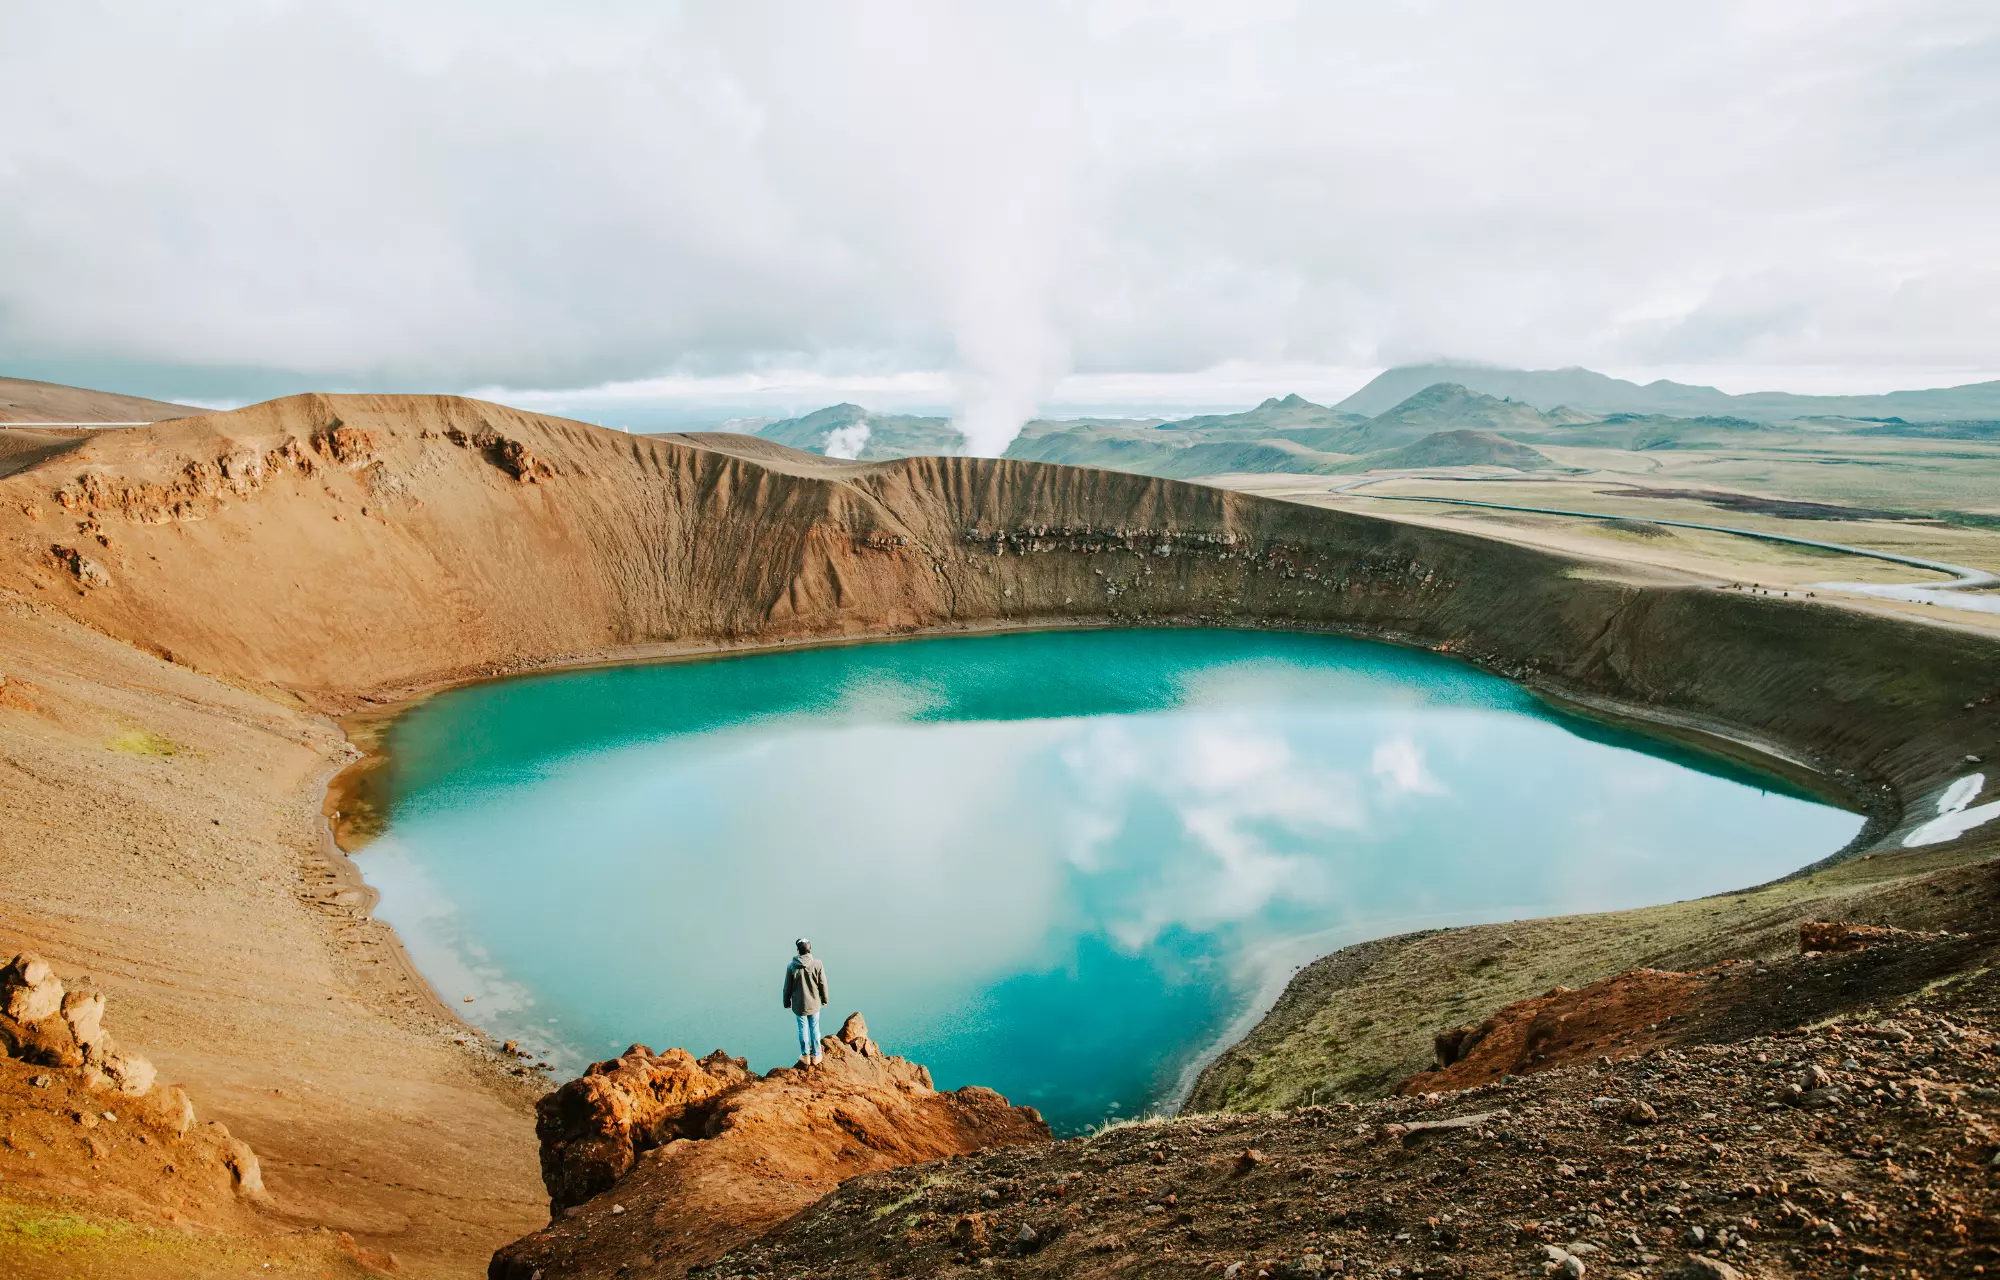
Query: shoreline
{"x": 349, "y": 788}
{"x": 349, "y": 879}
{"x": 348, "y": 795}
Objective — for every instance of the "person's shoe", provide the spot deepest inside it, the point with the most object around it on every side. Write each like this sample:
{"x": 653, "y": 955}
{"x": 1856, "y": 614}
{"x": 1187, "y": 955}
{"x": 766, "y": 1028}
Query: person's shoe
{"x": 818, "y": 1058}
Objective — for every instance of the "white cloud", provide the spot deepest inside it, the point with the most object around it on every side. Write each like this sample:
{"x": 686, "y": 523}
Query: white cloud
{"x": 1398, "y": 765}
{"x": 443, "y": 195}
{"x": 847, "y": 441}
{"x": 1231, "y": 789}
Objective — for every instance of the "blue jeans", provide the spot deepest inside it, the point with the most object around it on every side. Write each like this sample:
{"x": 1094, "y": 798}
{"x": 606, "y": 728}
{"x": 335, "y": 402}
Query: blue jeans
{"x": 808, "y": 1034}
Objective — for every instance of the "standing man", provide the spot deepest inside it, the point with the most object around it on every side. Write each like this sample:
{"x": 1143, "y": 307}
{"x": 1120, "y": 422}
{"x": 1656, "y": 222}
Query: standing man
{"x": 805, "y": 995}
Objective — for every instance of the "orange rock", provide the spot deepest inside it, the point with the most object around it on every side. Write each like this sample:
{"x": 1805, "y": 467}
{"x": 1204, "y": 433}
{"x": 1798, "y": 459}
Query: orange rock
{"x": 719, "y": 1154}
{"x": 593, "y": 1128}
{"x": 1843, "y": 935}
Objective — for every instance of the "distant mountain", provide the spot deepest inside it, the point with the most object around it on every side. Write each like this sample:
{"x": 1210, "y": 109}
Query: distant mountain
{"x": 1223, "y": 457}
{"x": 1443, "y": 425}
{"x": 1642, "y": 431}
{"x": 1177, "y": 456}
{"x": 1443, "y": 406}
{"x": 1088, "y": 447}
{"x": 850, "y": 431}
{"x": 1968, "y": 429}
{"x": 1458, "y": 449}
{"x": 1480, "y": 416}
{"x": 1599, "y": 394}
{"x": 1275, "y": 417}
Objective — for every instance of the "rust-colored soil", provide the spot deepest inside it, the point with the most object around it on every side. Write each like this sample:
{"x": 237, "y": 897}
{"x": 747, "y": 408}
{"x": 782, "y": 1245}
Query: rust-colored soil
{"x": 1642, "y": 1009}
{"x": 1731, "y": 1168}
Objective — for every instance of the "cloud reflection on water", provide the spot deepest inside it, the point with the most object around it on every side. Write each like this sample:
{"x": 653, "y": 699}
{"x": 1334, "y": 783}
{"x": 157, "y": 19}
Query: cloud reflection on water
{"x": 1068, "y": 908}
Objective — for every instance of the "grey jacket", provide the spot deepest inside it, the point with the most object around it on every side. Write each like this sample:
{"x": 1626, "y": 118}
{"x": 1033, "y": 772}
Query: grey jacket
{"x": 805, "y": 985}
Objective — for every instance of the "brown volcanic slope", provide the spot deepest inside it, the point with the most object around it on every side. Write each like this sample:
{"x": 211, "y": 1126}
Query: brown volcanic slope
{"x": 25, "y": 400}
{"x": 185, "y": 603}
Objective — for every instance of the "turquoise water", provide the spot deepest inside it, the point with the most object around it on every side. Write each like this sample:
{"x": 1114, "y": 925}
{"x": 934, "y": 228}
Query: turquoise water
{"x": 1063, "y": 865}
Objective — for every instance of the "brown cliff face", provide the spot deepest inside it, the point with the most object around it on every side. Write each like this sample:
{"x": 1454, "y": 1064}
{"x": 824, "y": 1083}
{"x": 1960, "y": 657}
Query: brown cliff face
{"x": 657, "y": 1162}
{"x": 344, "y": 547}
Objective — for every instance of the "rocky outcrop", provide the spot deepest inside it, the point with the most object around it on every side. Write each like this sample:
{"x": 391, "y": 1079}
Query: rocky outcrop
{"x": 594, "y": 1128}
{"x": 85, "y": 570}
{"x": 85, "y": 1112}
{"x": 1846, "y": 935}
{"x": 504, "y": 452}
{"x": 708, "y": 1154}
{"x": 46, "y": 1024}
{"x": 1620, "y": 1016}
{"x": 52, "y": 1027}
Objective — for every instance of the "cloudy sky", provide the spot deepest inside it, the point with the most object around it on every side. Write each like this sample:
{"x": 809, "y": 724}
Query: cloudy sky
{"x": 993, "y": 206}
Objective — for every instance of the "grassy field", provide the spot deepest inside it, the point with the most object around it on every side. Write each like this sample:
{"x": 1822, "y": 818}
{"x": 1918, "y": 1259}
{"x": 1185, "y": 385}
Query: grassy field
{"x": 1932, "y": 499}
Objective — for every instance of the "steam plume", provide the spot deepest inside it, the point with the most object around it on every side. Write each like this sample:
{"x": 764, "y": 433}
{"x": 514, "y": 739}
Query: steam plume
{"x": 1009, "y": 354}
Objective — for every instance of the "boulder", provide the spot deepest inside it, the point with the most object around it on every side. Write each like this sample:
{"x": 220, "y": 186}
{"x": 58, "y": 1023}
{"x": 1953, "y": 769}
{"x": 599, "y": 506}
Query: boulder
{"x": 1639, "y": 1112}
{"x": 84, "y": 1011}
{"x": 170, "y": 1108}
{"x": 131, "y": 1073}
{"x": 593, "y": 1129}
{"x": 854, "y": 1034}
{"x": 29, "y": 989}
{"x": 244, "y": 1170}
{"x": 46, "y": 1042}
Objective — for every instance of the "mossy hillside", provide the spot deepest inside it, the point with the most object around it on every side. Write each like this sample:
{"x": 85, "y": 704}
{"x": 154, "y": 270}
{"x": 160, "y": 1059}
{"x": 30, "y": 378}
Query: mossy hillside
{"x": 1355, "y": 1024}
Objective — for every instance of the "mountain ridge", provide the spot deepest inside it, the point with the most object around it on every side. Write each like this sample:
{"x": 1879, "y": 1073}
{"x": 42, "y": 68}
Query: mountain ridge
{"x": 1587, "y": 389}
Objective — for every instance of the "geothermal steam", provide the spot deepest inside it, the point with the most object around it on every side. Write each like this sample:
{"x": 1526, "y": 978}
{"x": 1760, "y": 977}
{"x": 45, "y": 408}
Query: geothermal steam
{"x": 848, "y": 441}
{"x": 1009, "y": 355}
